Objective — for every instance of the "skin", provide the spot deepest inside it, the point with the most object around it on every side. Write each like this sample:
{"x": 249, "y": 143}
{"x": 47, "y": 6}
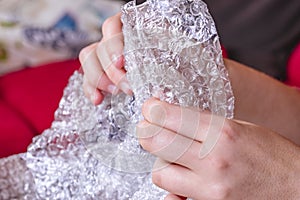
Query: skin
{"x": 257, "y": 159}
{"x": 248, "y": 161}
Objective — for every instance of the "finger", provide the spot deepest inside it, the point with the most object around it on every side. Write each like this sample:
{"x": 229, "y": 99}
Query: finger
{"x": 92, "y": 93}
{"x": 110, "y": 62}
{"x": 174, "y": 197}
{"x": 110, "y": 53}
{"x": 191, "y": 123}
{"x": 84, "y": 53}
{"x": 112, "y": 26}
{"x": 174, "y": 178}
{"x": 93, "y": 70}
{"x": 168, "y": 145}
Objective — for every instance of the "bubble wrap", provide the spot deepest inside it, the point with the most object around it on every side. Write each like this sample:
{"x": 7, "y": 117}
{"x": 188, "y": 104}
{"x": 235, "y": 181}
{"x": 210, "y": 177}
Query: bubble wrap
{"x": 172, "y": 52}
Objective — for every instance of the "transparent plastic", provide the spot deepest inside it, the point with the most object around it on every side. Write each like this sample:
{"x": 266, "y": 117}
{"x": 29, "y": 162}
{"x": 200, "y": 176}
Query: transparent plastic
{"x": 172, "y": 52}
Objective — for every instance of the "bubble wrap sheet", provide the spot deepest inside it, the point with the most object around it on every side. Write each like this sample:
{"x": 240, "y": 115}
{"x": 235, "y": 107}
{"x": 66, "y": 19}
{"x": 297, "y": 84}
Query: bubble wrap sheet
{"x": 172, "y": 52}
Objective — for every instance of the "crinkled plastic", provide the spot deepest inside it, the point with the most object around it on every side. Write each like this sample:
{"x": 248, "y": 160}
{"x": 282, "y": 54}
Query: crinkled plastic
{"x": 173, "y": 53}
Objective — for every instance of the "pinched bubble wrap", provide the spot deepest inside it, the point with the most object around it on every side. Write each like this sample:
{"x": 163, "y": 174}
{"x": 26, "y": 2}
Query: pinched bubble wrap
{"x": 173, "y": 48}
{"x": 172, "y": 52}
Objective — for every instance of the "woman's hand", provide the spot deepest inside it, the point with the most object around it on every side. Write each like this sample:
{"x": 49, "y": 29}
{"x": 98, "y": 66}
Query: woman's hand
{"x": 247, "y": 162}
{"x": 103, "y": 63}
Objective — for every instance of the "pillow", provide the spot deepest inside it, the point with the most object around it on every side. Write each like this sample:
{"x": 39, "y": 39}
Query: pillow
{"x": 41, "y": 31}
{"x": 293, "y": 69}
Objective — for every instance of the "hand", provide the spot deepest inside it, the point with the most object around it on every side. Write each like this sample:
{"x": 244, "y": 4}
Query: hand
{"x": 247, "y": 162}
{"x": 259, "y": 98}
{"x": 103, "y": 63}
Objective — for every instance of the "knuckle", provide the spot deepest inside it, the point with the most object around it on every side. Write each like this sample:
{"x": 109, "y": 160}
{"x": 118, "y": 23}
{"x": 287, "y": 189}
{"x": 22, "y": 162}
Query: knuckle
{"x": 220, "y": 164}
{"x": 82, "y": 54}
{"x": 230, "y": 130}
{"x": 85, "y": 52}
{"x": 157, "y": 141}
{"x": 155, "y": 111}
{"x": 219, "y": 191}
{"x": 160, "y": 141}
{"x": 107, "y": 24}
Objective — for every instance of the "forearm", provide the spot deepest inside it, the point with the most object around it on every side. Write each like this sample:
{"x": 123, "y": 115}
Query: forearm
{"x": 265, "y": 101}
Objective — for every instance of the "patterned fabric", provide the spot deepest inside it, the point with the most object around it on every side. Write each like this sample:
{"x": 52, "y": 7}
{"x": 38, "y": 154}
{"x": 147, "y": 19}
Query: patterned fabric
{"x": 34, "y": 32}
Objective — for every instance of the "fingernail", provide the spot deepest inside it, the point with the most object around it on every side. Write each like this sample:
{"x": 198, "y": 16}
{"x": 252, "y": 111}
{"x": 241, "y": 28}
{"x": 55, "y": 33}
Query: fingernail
{"x": 126, "y": 88}
{"x": 155, "y": 113}
{"x": 113, "y": 89}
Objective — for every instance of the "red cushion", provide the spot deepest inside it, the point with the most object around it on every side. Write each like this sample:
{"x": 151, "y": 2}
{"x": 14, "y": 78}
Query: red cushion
{"x": 293, "y": 70}
{"x": 15, "y": 134}
{"x": 35, "y": 92}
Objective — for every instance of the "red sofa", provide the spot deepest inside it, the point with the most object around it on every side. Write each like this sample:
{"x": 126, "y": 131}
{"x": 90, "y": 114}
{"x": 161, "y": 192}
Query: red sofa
{"x": 28, "y": 99}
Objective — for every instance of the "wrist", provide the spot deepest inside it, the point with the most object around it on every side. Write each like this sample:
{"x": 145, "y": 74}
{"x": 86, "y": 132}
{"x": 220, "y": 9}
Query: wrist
{"x": 264, "y": 101}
